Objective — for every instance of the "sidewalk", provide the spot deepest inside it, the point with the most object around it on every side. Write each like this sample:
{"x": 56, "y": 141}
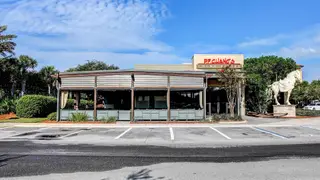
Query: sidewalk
{"x": 250, "y": 121}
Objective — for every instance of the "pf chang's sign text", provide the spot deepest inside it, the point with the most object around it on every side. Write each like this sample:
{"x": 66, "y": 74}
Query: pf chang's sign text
{"x": 219, "y": 61}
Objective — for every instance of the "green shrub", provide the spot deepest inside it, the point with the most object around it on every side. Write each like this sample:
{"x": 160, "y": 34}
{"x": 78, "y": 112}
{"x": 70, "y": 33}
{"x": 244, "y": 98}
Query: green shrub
{"x": 107, "y": 119}
{"x": 52, "y": 116}
{"x": 7, "y": 106}
{"x": 303, "y": 112}
{"x": 30, "y": 106}
{"x": 224, "y": 117}
{"x": 82, "y": 105}
{"x": 79, "y": 117}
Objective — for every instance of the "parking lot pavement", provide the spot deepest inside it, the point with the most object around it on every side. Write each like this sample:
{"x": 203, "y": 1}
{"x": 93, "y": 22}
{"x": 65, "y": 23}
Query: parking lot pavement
{"x": 244, "y": 133}
{"x": 161, "y": 135}
{"x": 98, "y": 134}
{"x": 295, "y": 132}
{"x": 19, "y": 132}
{"x": 194, "y": 135}
{"x": 37, "y": 133}
{"x": 148, "y": 135}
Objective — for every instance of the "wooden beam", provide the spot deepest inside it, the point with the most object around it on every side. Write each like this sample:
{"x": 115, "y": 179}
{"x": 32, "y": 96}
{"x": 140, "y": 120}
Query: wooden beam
{"x": 168, "y": 100}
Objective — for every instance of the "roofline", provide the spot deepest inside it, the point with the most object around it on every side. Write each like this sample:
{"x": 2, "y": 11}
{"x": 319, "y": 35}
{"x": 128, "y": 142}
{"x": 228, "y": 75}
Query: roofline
{"x": 130, "y": 72}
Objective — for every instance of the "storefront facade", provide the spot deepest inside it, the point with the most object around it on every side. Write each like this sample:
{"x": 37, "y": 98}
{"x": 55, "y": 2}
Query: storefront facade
{"x": 151, "y": 92}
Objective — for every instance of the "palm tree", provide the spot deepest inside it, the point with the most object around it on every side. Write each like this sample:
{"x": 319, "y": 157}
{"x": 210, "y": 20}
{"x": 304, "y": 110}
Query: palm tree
{"x": 47, "y": 72}
{"x": 6, "y": 44}
{"x": 25, "y": 64}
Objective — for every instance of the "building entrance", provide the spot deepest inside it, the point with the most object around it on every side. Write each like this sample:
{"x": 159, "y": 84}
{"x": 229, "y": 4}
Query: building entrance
{"x": 217, "y": 102}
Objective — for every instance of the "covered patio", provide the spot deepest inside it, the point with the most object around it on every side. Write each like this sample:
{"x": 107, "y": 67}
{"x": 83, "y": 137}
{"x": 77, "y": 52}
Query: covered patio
{"x": 133, "y": 95}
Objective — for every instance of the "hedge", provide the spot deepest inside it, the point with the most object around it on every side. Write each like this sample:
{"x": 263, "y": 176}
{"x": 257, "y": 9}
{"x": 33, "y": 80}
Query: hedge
{"x": 29, "y": 106}
{"x": 304, "y": 112}
{"x": 52, "y": 116}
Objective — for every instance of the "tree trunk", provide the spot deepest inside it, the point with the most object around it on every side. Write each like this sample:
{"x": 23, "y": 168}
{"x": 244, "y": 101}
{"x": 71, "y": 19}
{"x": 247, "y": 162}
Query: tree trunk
{"x": 23, "y": 87}
{"x": 49, "y": 89}
{"x": 231, "y": 107}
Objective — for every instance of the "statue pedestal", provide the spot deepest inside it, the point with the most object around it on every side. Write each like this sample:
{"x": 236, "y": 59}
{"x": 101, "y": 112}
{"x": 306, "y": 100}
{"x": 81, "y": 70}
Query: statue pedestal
{"x": 279, "y": 110}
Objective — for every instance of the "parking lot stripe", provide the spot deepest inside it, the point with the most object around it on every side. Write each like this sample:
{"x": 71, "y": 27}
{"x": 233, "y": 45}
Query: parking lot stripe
{"x": 269, "y": 132}
{"x": 123, "y": 133}
{"x": 171, "y": 133}
{"x": 216, "y": 130}
{"x": 71, "y": 134}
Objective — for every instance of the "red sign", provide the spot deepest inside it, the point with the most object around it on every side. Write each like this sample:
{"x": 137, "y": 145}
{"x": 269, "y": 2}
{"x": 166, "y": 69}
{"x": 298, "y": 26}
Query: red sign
{"x": 219, "y": 61}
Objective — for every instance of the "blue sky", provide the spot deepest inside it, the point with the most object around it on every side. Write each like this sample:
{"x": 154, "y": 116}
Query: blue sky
{"x": 65, "y": 33}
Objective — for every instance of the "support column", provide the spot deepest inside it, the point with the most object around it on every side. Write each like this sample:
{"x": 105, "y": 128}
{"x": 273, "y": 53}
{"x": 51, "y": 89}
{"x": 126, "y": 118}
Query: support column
{"x": 132, "y": 104}
{"x": 205, "y": 98}
{"x": 168, "y": 100}
{"x": 77, "y": 100}
{"x": 132, "y": 97}
{"x": 95, "y": 99}
{"x": 58, "y": 104}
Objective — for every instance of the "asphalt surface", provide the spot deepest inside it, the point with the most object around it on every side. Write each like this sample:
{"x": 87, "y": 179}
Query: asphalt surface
{"x": 291, "y": 168}
{"x": 15, "y": 159}
{"x": 153, "y": 152}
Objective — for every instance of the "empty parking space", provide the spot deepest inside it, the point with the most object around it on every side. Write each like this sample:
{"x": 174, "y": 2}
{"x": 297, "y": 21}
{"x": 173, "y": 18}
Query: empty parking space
{"x": 243, "y": 133}
{"x": 147, "y": 134}
{"x": 96, "y": 134}
{"x": 196, "y": 135}
{"x": 294, "y": 132}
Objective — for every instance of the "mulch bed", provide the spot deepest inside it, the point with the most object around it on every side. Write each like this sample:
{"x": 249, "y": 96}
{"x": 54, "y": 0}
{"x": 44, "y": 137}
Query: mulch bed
{"x": 7, "y": 116}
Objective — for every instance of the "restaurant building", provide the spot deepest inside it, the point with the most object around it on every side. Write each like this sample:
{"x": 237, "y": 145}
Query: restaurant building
{"x": 189, "y": 91}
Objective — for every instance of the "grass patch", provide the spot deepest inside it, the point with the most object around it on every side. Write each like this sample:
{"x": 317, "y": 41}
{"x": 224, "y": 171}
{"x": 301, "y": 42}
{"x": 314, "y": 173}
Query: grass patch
{"x": 24, "y": 120}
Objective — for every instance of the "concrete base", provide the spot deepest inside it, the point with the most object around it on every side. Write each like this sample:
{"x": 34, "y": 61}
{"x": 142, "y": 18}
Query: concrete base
{"x": 278, "y": 110}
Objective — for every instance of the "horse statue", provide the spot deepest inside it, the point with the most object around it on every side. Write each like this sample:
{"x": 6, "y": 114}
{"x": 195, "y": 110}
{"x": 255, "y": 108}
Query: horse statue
{"x": 285, "y": 85}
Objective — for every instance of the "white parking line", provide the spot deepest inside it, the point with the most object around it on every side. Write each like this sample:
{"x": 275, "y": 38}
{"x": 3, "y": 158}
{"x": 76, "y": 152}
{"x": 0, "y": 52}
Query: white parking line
{"x": 4, "y": 128}
{"x": 123, "y": 133}
{"x": 269, "y": 132}
{"x": 171, "y": 133}
{"x": 41, "y": 129}
{"x": 216, "y": 130}
{"x": 71, "y": 134}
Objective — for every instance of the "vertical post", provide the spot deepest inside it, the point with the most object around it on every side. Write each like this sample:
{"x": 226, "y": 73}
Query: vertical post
{"x": 95, "y": 99}
{"x": 205, "y": 98}
{"x": 132, "y": 97}
{"x": 58, "y": 104}
{"x": 168, "y": 100}
{"x": 77, "y": 100}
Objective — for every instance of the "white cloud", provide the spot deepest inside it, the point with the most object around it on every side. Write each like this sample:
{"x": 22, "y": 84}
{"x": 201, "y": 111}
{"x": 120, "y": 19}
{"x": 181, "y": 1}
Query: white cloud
{"x": 90, "y": 24}
{"x": 71, "y": 31}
